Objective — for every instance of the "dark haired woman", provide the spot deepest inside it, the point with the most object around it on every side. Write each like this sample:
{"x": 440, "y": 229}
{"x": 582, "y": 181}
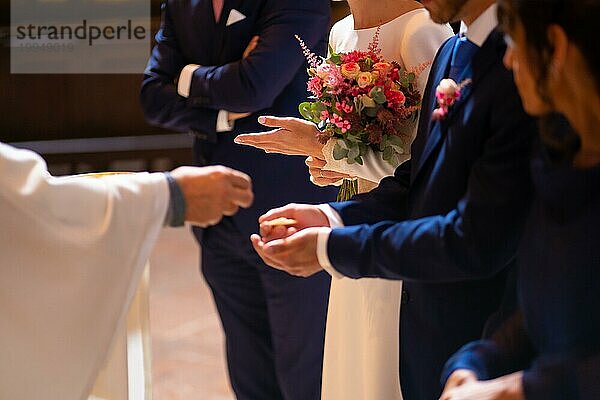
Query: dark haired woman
{"x": 550, "y": 349}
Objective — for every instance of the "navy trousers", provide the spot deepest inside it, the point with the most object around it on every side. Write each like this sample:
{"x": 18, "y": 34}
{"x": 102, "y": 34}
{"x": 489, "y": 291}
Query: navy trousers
{"x": 274, "y": 323}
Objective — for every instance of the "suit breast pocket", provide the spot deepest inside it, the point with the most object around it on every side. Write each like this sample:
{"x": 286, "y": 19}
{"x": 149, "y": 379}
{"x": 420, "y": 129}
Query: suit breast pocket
{"x": 237, "y": 35}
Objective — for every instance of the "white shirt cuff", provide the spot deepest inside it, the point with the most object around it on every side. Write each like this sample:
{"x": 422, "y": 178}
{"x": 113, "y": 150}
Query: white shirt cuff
{"x": 322, "y": 257}
{"x": 335, "y": 221}
{"x": 223, "y": 124}
{"x": 185, "y": 80}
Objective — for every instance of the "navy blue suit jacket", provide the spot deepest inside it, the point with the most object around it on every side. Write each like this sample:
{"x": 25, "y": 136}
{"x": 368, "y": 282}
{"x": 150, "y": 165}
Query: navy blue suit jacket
{"x": 271, "y": 80}
{"x": 449, "y": 221}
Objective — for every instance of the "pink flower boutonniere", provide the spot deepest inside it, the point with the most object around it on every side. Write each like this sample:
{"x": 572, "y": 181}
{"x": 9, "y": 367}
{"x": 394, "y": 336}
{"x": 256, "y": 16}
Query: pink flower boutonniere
{"x": 447, "y": 94}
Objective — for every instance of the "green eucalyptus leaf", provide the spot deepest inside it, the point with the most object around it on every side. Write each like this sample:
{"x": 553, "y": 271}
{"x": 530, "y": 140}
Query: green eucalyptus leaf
{"x": 339, "y": 152}
{"x": 354, "y": 152}
{"x": 384, "y": 142}
{"x": 348, "y": 143}
{"x": 395, "y": 141}
{"x": 362, "y": 148}
{"x": 305, "y": 110}
{"x": 353, "y": 137}
{"x": 377, "y": 95}
{"x": 336, "y": 59}
{"x": 388, "y": 153}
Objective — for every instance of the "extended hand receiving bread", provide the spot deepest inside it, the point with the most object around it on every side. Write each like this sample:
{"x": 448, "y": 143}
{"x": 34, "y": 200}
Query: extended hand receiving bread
{"x": 291, "y": 247}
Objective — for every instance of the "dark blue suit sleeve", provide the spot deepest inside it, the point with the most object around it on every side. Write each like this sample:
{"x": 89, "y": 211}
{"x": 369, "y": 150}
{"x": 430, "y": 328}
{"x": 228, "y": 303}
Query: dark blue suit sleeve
{"x": 252, "y": 84}
{"x": 545, "y": 378}
{"x": 507, "y": 350}
{"x": 388, "y": 201}
{"x": 475, "y": 240}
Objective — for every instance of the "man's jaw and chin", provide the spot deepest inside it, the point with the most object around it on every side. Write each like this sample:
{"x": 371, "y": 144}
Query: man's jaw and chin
{"x": 445, "y": 11}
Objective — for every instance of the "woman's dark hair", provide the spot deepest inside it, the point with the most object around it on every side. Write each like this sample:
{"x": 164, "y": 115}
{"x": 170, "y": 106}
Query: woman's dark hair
{"x": 578, "y": 18}
{"x": 560, "y": 141}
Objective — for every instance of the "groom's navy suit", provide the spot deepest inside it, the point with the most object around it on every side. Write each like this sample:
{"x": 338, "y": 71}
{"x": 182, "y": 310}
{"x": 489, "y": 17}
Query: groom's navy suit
{"x": 449, "y": 221}
{"x": 274, "y": 323}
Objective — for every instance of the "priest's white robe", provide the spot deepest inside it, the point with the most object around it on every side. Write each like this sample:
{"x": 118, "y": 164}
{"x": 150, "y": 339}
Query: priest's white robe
{"x": 72, "y": 251}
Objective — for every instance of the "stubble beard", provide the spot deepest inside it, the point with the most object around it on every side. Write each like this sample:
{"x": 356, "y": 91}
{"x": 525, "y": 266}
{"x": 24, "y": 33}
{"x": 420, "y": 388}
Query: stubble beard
{"x": 446, "y": 11}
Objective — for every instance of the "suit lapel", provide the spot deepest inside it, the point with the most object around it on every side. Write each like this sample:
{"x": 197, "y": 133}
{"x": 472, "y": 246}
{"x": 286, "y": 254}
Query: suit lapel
{"x": 429, "y": 133}
{"x": 481, "y": 63}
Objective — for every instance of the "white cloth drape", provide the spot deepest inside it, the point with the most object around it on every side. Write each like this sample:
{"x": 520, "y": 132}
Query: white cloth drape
{"x": 72, "y": 253}
{"x": 126, "y": 374}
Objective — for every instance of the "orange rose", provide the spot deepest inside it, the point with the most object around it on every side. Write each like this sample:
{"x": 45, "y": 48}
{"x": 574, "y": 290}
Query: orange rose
{"x": 350, "y": 70}
{"x": 382, "y": 67}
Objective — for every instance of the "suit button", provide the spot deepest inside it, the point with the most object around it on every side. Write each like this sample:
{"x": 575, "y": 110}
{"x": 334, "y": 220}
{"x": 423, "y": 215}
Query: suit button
{"x": 405, "y": 297}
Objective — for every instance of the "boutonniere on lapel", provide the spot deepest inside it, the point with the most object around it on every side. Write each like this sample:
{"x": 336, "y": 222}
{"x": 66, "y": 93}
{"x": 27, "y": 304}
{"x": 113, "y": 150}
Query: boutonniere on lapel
{"x": 447, "y": 94}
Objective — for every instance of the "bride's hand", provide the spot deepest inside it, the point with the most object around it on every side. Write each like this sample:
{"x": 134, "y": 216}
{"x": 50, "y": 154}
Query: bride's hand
{"x": 322, "y": 177}
{"x": 292, "y": 136}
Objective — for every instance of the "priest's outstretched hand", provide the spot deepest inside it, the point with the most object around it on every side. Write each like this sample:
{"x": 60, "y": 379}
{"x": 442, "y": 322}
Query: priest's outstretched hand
{"x": 288, "y": 238}
{"x": 212, "y": 192}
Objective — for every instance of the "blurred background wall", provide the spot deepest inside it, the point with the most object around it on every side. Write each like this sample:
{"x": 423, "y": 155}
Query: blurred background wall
{"x": 87, "y": 122}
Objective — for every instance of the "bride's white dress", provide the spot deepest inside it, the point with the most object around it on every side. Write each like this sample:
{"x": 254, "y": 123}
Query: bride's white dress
{"x": 361, "y": 357}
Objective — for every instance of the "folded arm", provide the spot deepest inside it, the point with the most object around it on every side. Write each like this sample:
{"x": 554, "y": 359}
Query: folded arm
{"x": 161, "y": 103}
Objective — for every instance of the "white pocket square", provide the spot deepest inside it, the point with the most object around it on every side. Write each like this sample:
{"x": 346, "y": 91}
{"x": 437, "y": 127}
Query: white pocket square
{"x": 234, "y": 16}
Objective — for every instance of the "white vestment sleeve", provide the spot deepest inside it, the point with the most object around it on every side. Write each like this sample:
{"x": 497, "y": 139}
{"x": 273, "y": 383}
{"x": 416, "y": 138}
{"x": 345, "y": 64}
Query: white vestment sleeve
{"x": 73, "y": 251}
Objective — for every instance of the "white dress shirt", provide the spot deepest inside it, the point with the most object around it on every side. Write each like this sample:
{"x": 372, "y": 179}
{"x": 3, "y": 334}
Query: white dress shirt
{"x": 477, "y": 33}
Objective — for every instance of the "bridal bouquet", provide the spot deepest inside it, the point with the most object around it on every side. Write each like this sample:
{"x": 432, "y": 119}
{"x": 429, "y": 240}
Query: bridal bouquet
{"x": 361, "y": 100}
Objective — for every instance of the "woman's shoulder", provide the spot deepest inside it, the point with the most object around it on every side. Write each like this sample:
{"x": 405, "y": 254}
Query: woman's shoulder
{"x": 418, "y": 26}
{"x": 413, "y": 38}
{"x": 341, "y": 28}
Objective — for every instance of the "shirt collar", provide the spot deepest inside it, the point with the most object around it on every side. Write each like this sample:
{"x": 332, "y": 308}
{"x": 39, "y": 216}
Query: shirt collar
{"x": 481, "y": 28}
